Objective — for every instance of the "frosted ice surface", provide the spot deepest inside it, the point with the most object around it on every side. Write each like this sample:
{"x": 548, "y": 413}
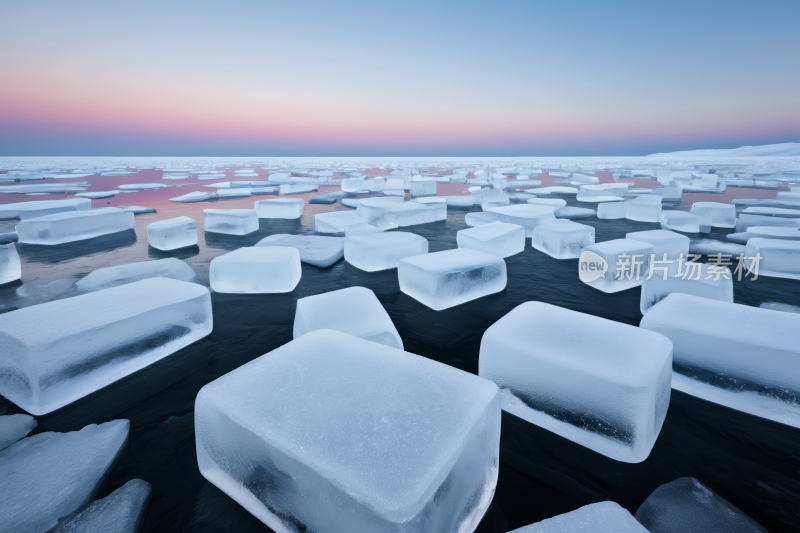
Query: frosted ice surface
{"x": 354, "y": 310}
{"x": 197, "y": 196}
{"x": 339, "y": 222}
{"x": 173, "y": 233}
{"x": 748, "y": 220}
{"x": 780, "y": 258}
{"x": 97, "y": 194}
{"x": 628, "y": 263}
{"x": 105, "y": 278}
{"x": 382, "y": 251}
{"x": 571, "y": 384}
{"x": 687, "y": 506}
{"x": 353, "y": 185}
{"x": 775, "y": 306}
{"x": 465, "y": 202}
{"x": 256, "y": 270}
{"x": 288, "y": 188}
{"x": 422, "y": 188}
{"x": 262, "y": 191}
{"x": 349, "y": 202}
{"x": 230, "y": 221}
{"x": 766, "y": 232}
{"x": 496, "y": 238}
{"x": 10, "y": 266}
{"x": 644, "y": 209}
{"x": 395, "y": 183}
{"x": 562, "y": 240}
{"x": 73, "y": 226}
{"x": 671, "y": 194}
{"x": 95, "y": 339}
{"x": 338, "y": 434}
{"x": 490, "y": 198}
{"x": 715, "y": 214}
{"x": 14, "y": 428}
{"x": 122, "y": 511}
{"x": 556, "y": 202}
{"x": 328, "y": 197}
{"x": 314, "y": 249}
{"x": 50, "y": 475}
{"x": 612, "y": 210}
{"x": 711, "y": 247}
{"x": 478, "y": 219}
{"x": 680, "y": 221}
{"x": 773, "y": 211}
{"x": 446, "y": 279}
{"x": 574, "y": 212}
{"x": 499, "y": 183}
{"x": 556, "y": 190}
{"x": 680, "y": 278}
{"x": 526, "y": 215}
{"x": 233, "y": 193}
{"x": 396, "y": 211}
{"x": 734, "y": 355}
{"x": 603, "y": 517}
{"x": 430, "y": 200}
{"x": 663, "y": 241}
{"x": 280, "y": 208}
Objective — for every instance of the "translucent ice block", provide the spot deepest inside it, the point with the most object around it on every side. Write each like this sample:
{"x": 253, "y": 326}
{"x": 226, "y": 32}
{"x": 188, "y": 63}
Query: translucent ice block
{"x": 603, "y": 517}
{"x": 14, "y": 428}
{"x": 490, "y": 198}
{"x": 680, "y": 221}
{"x": 10, "y": 266}
{"x": 562, "y": 239}
{"x": 105, "y": 278}
{"x": 355, "y": 311}
{"x": 297, "y": 188}
{"x": 663, "y": 241}
{"x": 422, "y": 188}
{"x": 445, "y": 279}
{"x": 173, "y": 233}
{"x": 612, "y": 210}
{"x": 644, "y": 209}
{"x": 197, "y": 196}
{"x": 526, "y": 215}
{"x": 748, "y": 220}
{"x": 95, "y": 339}
{"x": 735, "y": 355}
{"x": 382, "y": 251}
{"x": 338, "y": 434}
{"x": 394, "y": 210}
{"x": 314, "y": 249}
{"x": 496, "y": 238}
{"x": 236, "y": 192}
{"x": 715, "y": 214}
{"x": 766, "y": 232}
{"x": 73, "y": 226}
{"x": 122, "y": 511}
{"x": 280, "y": 208}
{"x": 230, "y": 221}
{"x": 339, "y": 222}
{"x": 555, "y": 202}
{"x": 256, "y": 270}
{"x": 574, "y": 385}
{"x": 25, "y": 210}
{"x": 626, "y": 261}
{"x": 694, "y": 280}
{"x": 780, "y": 258}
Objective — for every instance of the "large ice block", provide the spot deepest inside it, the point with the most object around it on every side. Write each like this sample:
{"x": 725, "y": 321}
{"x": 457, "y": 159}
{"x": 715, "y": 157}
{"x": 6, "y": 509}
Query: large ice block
{"x": 73, "y": 226}
{"x": 526, "y": 215}
{"x": 562, "y": 239}
{"x": 574, "y": 384}
{"x": 687, "y": 506}
{"x": 173, "y": 233}
{"x": 339, "y": 222}
{"x": 338, "y": 434}
{"x": 496, "y": 238}
{"x": 490, "y": 198}
{"x": 445, "y": 279}
{"x": 25, "y": 210}
{"x": 382, "y": 251}
{"x": 780, "y": 258}
{"x": 616, "y": 265}
{"x": 50, "y": 475}
{"x": 766, "y": 232}
{"x": 354, "y": 310}
{"x": 748, "y": 220}
{"x": 256, "y": 270}
{"x": 122, "y": 511}
{"x": 663, "y": 241}
{"x": 314, "y": 249}
{"x": 376, "y": 211}
{"x": 280, "y": 208}
{"x": 230, "y": 221}
{"x": 612, "y": 210}
{"x": 603, "y": 517}
{"x": 715, "y": 214}
{"x": 644, "y": 209}
{"x": 680, "y": 221}
{"x": 95, "y": 339}
{"x": 422, "y": 188}
{"x": 10, "y": 266}
{"x": 735, "y": 355}
{"x": 14, "y": 428}
{"x": 685, "y": 278}
{"x": 105, "y": 278}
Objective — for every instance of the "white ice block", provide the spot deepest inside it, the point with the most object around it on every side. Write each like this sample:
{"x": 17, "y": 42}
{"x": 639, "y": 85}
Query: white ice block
{"x": 626, "y": 261}
{"x": 555, "y": 202}
{"x": 644, "y": 209}
{"x": 490, "y": 198}
{"x": 297, "y": 188}
{"x": 663, "y": 241}
{"x": 748, "y": 220}
{"x": 562, "y": 239}
{"x": 734, "y": 355}
{"x": 612, "y": 210}
{"x": 526, "y": 215}
{"x": 122, "y": 511}
{"x": 14, "y": 428}
{"x": 280, "y": 208}
{"x": 780, "y": 258}
{"x": 197, "y": 196}
{"x": 256, "y": 270}
{"x": 25, "y": 210}
{"x": 314, "y": 249}
{"x": 422, "y": 188}
{"x": 574, "y": 384}
{"x": 496, "y": 238}
{"x": 230, "y": 221}
{"x": 95, "y": 339}
{"x": 73, "y": 226}
{"x": 50, "y": 475}
{"x": 445, "y": 279}
{"x": 603, "y": 517}
{"x": 680, "y": 221}
{"x": 715, "y": 214}
{"x": 173, "y": 233}
{"x": 381, "y": 251}
{"x": 105, "y": 278}
{"x": 680, "y": 278}
{"x": 338, "y": 434}
{"x": 376, "y": 211}
{"x": 10, "y": 266}
{"x": 766, "y": 232}
{"x": 339, "y": 222}
{"x": 236, "y": 192}
{"x": 354, "y": 310}
{"x": 353, "y": 185}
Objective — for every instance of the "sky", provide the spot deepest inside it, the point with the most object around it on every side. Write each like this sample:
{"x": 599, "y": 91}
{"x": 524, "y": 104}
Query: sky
{"x": 395, "y": 78}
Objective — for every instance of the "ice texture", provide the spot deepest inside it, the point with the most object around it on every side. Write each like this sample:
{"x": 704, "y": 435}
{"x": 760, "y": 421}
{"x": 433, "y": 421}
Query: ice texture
{"x": 766, "y": 232}
{"x": 338, "y": 434}
{"x": 382, "y": 251}
{"x": 329, "y": 197}
{"x": 776, "y": 306}
{"x": 422, "y": 188}
{"x": 50, "y": 475}
{"x": 780, "y": 258}
{"x": 10, "y": 266}
{"x": 555, "y": 202}
{"x": 612, "y": 210}
{"x": 97, "y": 195}
{"x": 25, "y": 210}
{"x": 256, "y": 270}
{"x": 603, "y": 517}
{"x": 696, "y": 280}
{"x": 197, "y": 196}
{"x": 562, "y": 239}
{"x": 396, "y": 211}
{"x": 233, "y": 193}
{"x": 73, "y": 226}
{"x": 526, "y": 215}
{"x": 122, "y": 511}
{"x": 734, "y": 355}
{"x": 496, "y": 238}
{"x": 664, "y": 242}
{"x": 687, "y": 506}
{"x": 354, "y": 310}
{"x": 715, "y": 214}
{"x": 230, "y": 221}
{"x": 571, "y": 384}
{"x": 289, "y": 188}
{"x": 280, "y": 208}
{"x": 680, "y": 221}
{"x": 445, "y": 279}
{"x": 644, "y": 209}
{"x": 139, "y": 210}
{"x": 95, "y": 339}
{"x": 628, "y": 264}
{"x": 748, "y": 220}
{"x": 574, "y": 212}
{"x": 314, "y": 249}
{"x": 172, "y": 234}
{"x": 14, "y": 428}
{"x": 105, "y": 278}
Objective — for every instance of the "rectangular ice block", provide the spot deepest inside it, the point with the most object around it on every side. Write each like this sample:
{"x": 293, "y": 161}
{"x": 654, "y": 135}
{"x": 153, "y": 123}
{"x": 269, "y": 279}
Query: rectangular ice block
{"x": 230, "y": 221}
{"x": 256, "y": 270}
{"x": 526, "y": 215}
{"x": 297, "y": 188}
{"x": 10, "y": 266}
{"x": 644, "y": 209}
{"x": 381, "y": 251}
{"x": 603, "y": 384}
{"x": 680, "y": 278}
{"x": 317, "y": 250}
{"x": 71, "y": 226}
{"x": 95, "y": 339}
{"x": 680, "y": 221}
{"x": 664, "y": 242}
{"x": 715, "y": 214}
{"x": 626, "y": 264}
{"x": 603, "y": 517}
{"x": 338, "y": 434}
{"x": 496, "y": 238}
{"x": 172, "y": 233}
{"x": 394, "y": 210}
{"x": 612, "y": 210}
{"x": 25, "y": 210}
{"x": 422, "y": 188}
{"x": 562, "y": 239}
{"x": 280, "y": 208}
{"x": 780, "y": 258}
{"x": 339, "y": 222}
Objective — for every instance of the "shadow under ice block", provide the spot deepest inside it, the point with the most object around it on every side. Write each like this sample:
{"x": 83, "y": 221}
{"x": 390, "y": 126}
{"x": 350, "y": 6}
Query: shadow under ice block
{"x": 95, "y": 339}
{"x": 338, "y": 434}
{"x": 603, "y": 517}
{"x": 601, "y": 384}
{"x": 73, "y": 226}
{"x": 742, "y": 357}
{"x": 172, "y": 234}
{"x": 230, "y": 221}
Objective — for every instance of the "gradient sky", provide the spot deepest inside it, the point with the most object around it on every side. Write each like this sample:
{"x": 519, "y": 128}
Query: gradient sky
{"x": 396, "y": 78}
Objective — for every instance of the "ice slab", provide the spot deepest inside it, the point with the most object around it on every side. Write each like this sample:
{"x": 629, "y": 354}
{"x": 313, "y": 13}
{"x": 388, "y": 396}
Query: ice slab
{"x": 496, "y": 238}
{"x": 329, "y": 197}
{"x": 95, "y": 339}
{"x": 339, "y": 222}
{"x": 142, "y": 186}
{"x": 663, "y": 241}
{"x": 612, "y": 210}
{"x": 490, "y": 198}
{"x": 256, "y": 270}
{"x": 50, "y": 475}
{"x": 734, "y": 355}
{"x": 446, "y": 279}
{"x": 715, "y": 214}
{"x": 571, "y": 384}
{"x": 479, "y": 219}
{"x": 686, "y": 278}
{"x": 680, "y": 221}
{"x": 382, "y": 251}
{"x": 780, "y": 258}
{"x": 555, "y": 190}
{"x": 766, "y": 232}
{"x": 562, "y": 239}
{"x": 10, "y": 266}
{"x": 173, "y": 233}
{"x": 574, "y": 212}
{"x": 96, "y": 195}
{"x": 555, "y": 202}
{"x": 713, "y": 247}
{"x": 459, "y": 202}
{"x": 314, "y": 249}
{"x": 230, "y": 221}
{"x": 616, "y": 265}
{"x": 776, "y": 306}
{"x": 687, "y": 506}
{"x": 223, "y": 194}
{"x": 288, "y": 188}
{"x": 106, "y": 278}
{"x": 192, "y": 197}
{"x": 748, "y": 220}
{"x": 139, "y": 210}
{"x": 122, "y": 511}
{"x": 289, "y": 208}
{"x": 773, "y": 211}
{"x": 526, "y": 215}
{"x": 603, "y": 517}
{"x": 335, "y": 433}
{"x": 376, "y": 211}
{"x": 73, "y": 226}
{"x": 422, "y": 188}
{"x": 354, "y": 310}
{"x": 644, "y": 209}
{"x": 14, "y": 428}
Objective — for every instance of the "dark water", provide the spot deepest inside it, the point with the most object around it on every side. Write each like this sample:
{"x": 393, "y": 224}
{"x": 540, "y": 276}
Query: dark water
{"x": 753, "y": 463}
